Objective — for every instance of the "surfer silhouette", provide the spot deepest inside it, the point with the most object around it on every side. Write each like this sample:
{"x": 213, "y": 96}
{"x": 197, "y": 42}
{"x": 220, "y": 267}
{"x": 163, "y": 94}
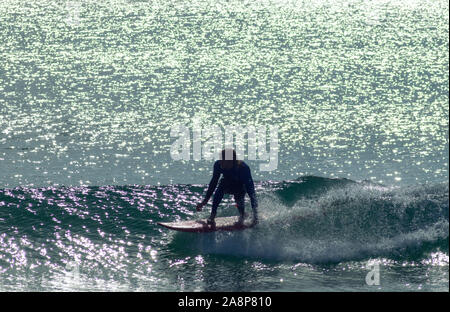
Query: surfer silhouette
{"x": 236, "y": 180}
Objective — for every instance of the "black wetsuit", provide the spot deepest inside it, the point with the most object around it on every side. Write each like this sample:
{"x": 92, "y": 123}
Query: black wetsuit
{"x": 237, "y": 181}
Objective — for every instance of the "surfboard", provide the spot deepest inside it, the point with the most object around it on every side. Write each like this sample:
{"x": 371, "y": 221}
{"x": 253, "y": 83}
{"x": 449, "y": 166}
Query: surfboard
{"x": 222, "y": 224}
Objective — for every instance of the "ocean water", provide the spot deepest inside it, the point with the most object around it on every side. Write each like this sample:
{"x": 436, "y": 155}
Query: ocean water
{"x": 90, "y": 90}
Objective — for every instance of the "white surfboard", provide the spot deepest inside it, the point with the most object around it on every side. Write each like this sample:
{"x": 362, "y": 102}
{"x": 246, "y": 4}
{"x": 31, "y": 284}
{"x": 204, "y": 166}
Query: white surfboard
{"x": 222, "y": 224}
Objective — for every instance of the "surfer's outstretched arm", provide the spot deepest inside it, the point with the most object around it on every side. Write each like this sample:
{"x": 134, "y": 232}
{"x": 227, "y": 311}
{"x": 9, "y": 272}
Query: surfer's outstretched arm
{"x": 250, "y": 187}
{"x": 212, "y": 185}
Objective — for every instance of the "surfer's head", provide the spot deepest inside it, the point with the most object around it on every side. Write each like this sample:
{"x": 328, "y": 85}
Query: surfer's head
{"x": 228, "y": 159}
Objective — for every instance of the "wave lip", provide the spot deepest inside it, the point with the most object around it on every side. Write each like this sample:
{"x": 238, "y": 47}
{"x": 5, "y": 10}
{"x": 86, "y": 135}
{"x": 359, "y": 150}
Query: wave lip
{"x": 320, "y": 220}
